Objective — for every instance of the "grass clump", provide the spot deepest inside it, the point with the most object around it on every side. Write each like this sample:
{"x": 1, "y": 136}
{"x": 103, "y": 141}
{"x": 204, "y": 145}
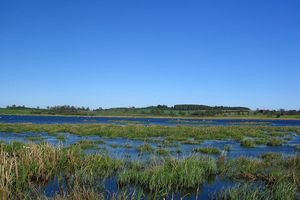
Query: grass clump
{"x": 227, "y": 148}
{"x": 36, "y": 138}
{"x": 61, "y": 138}
{"x": 171, "y": 175}
{"x": 248, "y": 143}
{"x": 207, "y": 150}
{"x": 281, "y": 191}
{"x": 261, "y": 141}
{"x": 297, "y": 147}
{"x": 87, "y": 144}
{"x": 145, "y": 148}
{"x": 127, "y": 146}
{"x": 269, "y": 157}
{"x": 162, "y": 152}
{"x": 275, "y": 142}
{"x": 190, "y": 141}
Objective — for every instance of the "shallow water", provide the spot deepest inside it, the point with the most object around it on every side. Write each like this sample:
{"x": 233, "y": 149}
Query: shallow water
{"x": 123, "y": 148}
{"x": 145, "y": 121}
{"x": 127, "y": 149}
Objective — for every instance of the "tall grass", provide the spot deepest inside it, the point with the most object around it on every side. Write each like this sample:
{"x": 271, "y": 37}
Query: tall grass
{"x": 171, "y": 175}
{"x": 23, "y": 166}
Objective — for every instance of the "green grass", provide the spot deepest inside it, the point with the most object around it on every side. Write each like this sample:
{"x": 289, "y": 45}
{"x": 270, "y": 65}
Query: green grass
{"x": 171, "y": 175}
{"x": 162, "y": 152}
{"x": 128, "y": 146}
{"x": 227, "y": 148}
{"x": 275, "y": 142}
{"x": 280, "y": 191}
{"x": 145, "y": 148}
{"x": 26, "y": 167}
{"x": 61, "y": 138}
{"x": 297, "y": 147}
{"x": 207, "y": 150}
{"x": 179, "y": 133}
{"x": 249, "y": 143}
{"x": 270, "y": 157}
{"x": 35, "y": 138}
{"x": 87, "y": 144}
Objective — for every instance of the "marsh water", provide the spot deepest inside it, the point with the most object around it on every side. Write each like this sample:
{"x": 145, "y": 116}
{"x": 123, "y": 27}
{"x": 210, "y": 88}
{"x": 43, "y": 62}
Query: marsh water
{"x": 128, "y": 149}
{"x": 145, "y": 121}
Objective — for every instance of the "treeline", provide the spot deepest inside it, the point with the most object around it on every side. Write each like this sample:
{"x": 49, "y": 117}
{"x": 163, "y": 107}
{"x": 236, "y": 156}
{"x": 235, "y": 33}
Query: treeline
{"x": 15, "y": 107}
{"x": 276, "y": 112}
{"x": 66, "y": 109}
{"x": 198, "y": 107}
{"x": 205, "y": 107}
{"x": 159, "y": 110}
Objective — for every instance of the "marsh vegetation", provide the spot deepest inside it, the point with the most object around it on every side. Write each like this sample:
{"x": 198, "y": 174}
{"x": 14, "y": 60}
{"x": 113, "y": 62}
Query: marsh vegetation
{"x": 171, "y": 162}
{"x": 27, "y": 169}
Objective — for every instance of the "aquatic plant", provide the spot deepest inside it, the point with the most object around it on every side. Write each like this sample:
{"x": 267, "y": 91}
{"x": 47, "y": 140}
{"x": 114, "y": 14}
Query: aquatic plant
{"x": 145, "y": 148}
{"x": 271, "y": 157}
{"x": 207, "y": 150}
{"x": 275, "y": 142}
{"x": 23, "y": 166}
{"x": 26, "y": 167}
{"x": 87, "y": 144}
{"x": 36, "y": 138}
{"x": 171, "y": 175}
{"x": 249, "y": 143}
{"x": 61, "y": 137}
{"x": 127, "y": 146}
{"x": 162, "y": 152}
{"x": 297, "y": 147}
{"x": 227, "y": 148}
{"x": 280, "y": 191}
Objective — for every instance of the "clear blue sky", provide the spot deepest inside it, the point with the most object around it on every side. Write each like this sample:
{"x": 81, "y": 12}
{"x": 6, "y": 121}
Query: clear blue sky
{"x": 138, "y": 53}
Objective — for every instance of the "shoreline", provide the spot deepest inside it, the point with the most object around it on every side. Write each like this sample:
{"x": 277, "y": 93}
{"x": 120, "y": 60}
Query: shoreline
{"x": 158, "y": 117}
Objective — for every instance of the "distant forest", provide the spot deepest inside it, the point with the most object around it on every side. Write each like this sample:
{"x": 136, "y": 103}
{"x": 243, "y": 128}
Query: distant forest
{"x": 180, "y": 110}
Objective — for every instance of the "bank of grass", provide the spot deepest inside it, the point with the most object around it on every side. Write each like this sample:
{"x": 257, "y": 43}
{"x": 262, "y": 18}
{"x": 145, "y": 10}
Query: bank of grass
{"x": 25, "y": 167}
{"x": 179, "y": 133}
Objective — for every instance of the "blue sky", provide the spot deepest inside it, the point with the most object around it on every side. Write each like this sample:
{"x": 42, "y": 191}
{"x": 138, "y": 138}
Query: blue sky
{"x": 139, "y": 53}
